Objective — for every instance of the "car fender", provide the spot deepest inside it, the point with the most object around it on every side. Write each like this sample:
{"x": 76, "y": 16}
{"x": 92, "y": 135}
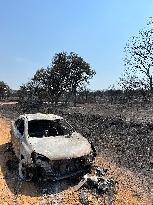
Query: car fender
{"x": 25, "y": 153}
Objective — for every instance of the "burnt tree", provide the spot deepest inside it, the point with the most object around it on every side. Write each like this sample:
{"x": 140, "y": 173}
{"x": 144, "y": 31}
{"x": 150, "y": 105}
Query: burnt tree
{"x": 138, "y": 60}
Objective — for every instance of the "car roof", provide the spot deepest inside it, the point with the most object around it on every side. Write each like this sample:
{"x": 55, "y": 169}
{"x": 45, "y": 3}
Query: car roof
{"x": 40, "y": 116}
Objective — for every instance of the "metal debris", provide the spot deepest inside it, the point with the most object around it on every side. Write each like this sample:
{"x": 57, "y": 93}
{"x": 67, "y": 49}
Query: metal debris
{"x": 82, "y": 198}
{"x": 97, "y": 182}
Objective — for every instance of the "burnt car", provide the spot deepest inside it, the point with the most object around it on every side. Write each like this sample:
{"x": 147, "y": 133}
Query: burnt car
{"x": 48, "y": 146}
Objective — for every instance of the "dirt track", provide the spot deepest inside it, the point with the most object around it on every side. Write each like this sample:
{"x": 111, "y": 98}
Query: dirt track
{"x": 131, "y": 189}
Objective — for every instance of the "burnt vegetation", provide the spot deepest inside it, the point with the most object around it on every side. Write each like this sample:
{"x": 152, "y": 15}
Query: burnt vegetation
{"x": 117, "y": 121}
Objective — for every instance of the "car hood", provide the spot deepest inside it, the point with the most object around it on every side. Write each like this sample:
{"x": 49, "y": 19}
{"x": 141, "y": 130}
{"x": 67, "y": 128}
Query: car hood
{"x": 61, "y": 147}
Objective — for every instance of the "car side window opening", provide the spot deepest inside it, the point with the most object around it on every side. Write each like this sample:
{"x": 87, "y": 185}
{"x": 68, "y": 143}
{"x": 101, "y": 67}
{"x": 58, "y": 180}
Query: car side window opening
{"x": 20, "y": 126}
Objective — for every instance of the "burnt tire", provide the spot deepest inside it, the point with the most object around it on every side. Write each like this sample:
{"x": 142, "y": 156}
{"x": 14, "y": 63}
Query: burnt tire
{"x": 12, "y": 165}
{"x": 25, "y": 173}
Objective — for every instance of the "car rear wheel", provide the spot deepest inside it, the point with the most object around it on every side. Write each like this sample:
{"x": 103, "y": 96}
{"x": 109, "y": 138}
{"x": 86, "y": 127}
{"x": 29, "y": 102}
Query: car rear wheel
{"x": 25, "y": 173}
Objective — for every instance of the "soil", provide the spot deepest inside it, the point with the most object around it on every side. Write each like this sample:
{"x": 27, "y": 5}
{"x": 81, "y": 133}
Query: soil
{"x": 134, "y": 187}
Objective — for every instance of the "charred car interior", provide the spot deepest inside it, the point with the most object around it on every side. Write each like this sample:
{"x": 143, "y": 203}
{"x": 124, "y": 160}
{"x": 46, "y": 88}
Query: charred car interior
{"x": 48, "y": 146}
{"x": 40, "y": 128}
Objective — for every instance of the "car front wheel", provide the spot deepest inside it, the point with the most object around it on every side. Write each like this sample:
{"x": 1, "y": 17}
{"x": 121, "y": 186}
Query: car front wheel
{"x": 25, "y": 173}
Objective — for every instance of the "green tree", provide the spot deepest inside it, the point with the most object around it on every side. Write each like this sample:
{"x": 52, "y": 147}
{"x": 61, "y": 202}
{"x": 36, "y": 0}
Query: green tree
{"x": 66, "y": 74}
{"x": 138, "y": 60}
{"x": 70, "y": 72}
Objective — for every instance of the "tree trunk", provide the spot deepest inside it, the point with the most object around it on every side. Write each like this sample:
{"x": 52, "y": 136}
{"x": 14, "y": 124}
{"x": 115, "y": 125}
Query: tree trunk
{"x": 74, "y": 95}
{"x": 150, "y": 84}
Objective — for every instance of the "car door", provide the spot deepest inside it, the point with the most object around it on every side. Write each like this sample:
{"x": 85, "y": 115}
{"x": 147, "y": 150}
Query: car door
{"x": 17, "y": 135}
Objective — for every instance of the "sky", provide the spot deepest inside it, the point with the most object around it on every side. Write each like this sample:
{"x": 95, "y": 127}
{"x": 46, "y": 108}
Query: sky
{"x": 32, "y": 31}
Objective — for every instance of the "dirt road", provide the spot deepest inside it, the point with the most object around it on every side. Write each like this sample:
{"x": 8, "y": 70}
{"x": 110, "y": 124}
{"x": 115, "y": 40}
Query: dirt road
{"x": 132, "y": 189}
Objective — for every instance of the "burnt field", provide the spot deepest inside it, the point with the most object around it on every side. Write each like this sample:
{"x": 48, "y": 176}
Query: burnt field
{"x": 122, "y": 135}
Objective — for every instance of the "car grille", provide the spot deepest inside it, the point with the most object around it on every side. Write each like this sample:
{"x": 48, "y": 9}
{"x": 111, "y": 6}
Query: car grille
{"x": 65, "y": 167}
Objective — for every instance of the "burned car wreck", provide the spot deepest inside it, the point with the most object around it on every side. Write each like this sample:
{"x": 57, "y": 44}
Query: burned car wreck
{"x": 48, "y": 146}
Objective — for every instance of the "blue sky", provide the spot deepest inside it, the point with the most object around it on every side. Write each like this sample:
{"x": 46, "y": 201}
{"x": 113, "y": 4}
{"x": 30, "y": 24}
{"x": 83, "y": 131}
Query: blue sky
{"x": 32, "y": 31}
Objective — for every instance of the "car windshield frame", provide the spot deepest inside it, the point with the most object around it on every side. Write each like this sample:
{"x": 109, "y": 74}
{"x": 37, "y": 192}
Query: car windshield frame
{"x": 40, "y": 128}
